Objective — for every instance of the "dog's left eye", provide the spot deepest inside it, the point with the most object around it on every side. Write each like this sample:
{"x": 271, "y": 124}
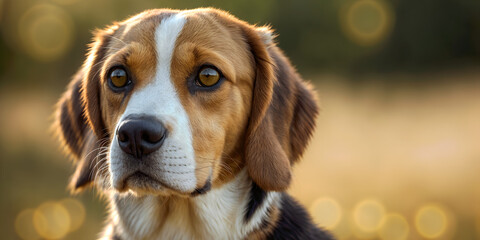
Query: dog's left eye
{"x": 118, "y": 77}
{"x": 208, "y": 76}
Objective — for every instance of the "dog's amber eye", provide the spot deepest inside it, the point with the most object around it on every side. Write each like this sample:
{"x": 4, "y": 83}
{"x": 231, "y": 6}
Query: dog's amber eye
{"x": 208, "y": 76}
{"x": 119, "y": 78}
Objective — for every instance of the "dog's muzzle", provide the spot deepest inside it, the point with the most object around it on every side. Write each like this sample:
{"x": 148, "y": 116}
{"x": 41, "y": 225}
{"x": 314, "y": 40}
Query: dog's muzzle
{"x": 145, "y": 156}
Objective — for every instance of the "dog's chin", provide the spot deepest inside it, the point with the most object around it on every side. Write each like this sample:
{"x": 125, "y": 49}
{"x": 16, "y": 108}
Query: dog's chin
{"x": 141, "y": 184}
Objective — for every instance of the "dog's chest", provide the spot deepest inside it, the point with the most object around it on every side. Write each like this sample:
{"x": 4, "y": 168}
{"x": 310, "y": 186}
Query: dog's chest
{"x": 218, "y": 214}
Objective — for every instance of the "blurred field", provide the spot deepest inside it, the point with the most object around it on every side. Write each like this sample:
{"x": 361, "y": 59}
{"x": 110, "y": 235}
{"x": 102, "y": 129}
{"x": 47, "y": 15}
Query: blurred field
{"x": 406, "y": 146}
{"x": 398, "y": 147}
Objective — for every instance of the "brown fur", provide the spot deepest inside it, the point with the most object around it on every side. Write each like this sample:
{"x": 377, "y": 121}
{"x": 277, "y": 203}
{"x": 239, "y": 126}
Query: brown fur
{"x": 283, "y": 103}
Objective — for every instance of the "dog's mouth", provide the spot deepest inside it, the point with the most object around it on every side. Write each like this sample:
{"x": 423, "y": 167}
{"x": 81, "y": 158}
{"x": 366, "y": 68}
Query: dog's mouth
{"x": 142, "y": 183}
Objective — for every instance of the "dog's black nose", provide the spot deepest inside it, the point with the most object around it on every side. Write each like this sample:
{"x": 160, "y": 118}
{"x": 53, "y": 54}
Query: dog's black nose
{"x": 140, "y": 135}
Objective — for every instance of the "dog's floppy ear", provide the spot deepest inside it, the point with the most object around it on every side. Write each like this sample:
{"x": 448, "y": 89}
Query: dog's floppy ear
{"x": 92, "y": 79}
{"x": 282, "y": 115}
{"x": 78, "y": 120}
{"x": 75, "y": 133}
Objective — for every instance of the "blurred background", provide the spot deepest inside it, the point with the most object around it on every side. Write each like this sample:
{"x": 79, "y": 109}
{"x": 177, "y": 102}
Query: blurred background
{"x": 396, "y": 153}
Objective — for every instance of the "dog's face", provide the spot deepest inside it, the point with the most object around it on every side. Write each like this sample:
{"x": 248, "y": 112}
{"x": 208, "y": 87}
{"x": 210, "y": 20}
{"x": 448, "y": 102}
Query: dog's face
{"x": 175, "y": 95}
{"x": 175, "y": 102}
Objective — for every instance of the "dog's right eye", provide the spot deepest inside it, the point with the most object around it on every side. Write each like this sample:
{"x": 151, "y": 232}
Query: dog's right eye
{"x": 118, "y": 78}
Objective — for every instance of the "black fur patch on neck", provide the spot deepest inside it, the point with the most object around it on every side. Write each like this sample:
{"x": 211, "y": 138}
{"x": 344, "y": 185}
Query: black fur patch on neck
{"x": 257, "y": 197}
{"x": 204, "y": 189}
{"x": 295, "y": 223}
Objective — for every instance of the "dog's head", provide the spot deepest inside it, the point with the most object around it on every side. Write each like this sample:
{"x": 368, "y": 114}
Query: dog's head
{"x": 173, "y": 102}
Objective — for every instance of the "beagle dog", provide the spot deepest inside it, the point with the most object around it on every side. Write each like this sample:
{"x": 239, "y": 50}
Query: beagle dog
{"x": 189, "y": 122}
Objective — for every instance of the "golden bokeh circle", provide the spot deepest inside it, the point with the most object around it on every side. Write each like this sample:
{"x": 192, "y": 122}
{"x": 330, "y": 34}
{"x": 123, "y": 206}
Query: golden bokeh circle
{"x": 51, "y": 220}
{"x": 326, "y": 212}
{"x": 46, "y": 32}
{"x": 368, "y": 215}
{"x": 24, "y": 225}
{"x": 367, "y": 22}
{"x": 431, "y": 221}
{"x": 76, "y": 211}
{"x": 394, "y": 227}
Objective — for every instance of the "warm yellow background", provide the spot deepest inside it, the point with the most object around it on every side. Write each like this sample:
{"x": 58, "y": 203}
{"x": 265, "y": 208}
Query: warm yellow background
{"x": 396, "y": 152}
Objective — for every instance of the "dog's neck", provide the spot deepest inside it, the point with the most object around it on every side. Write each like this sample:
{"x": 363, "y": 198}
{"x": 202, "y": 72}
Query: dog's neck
{"x": 217, "y": 214}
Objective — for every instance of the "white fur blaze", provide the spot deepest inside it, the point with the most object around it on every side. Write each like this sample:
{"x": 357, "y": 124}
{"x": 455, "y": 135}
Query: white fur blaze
{"x": 174, "y": 163}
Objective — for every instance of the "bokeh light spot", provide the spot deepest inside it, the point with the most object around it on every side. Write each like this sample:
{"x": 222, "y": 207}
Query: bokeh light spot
{"x": 326, "y": 212}
{"x": 51, "y": 220}
{"x": 46, "y": 32}
{"x": 368, "y": 215}
{"x": 366, "y": 22}
{"x": 394, "y": 227}
{"x": 431, "y": 221}
{"x": 24, "y": 225}
{"x": 76, "y": 211}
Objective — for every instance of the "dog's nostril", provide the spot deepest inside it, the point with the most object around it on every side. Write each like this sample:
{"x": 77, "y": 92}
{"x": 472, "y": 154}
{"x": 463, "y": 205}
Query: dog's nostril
{"x": 140, "y": 136}
{"x": 122, "y": 137}
{"x": 153, "y": 137}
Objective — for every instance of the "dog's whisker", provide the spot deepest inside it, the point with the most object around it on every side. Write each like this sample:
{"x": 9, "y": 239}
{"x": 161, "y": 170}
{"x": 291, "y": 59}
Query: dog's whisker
{"x": 91, "y": 152}
{"x": 226, "y": 167}
{"x": 101, "y": 165}
{"x": 112, "y": 48}
{"x": 120, "y": 40}
{"x": 201, "y": 168}
{"x": 100, "y": 171}
{"x": 99, "y": 158}
{"x": 226, "y": 155}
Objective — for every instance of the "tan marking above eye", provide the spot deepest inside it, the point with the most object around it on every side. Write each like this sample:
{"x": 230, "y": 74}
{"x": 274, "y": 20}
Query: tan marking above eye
{"x": 208, "y": 76}
{"x": 119, "y": 78}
